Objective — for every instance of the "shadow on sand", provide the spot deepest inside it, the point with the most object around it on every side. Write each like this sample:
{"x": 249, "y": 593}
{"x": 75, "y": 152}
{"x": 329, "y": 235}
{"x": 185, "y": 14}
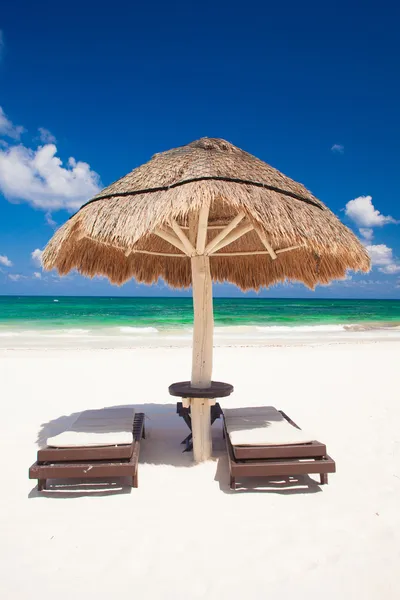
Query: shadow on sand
{"x": 164, "y": 432}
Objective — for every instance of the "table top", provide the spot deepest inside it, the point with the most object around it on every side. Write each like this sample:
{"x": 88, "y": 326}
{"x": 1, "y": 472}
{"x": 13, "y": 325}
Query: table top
{"x": 217, "y": 389}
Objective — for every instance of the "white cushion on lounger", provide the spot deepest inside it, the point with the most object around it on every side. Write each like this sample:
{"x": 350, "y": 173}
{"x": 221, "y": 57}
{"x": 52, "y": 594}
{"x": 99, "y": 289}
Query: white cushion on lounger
{"x": 262, "y": 426}
{"x": 250, "y": 411}
{"x": 104, "y": 427}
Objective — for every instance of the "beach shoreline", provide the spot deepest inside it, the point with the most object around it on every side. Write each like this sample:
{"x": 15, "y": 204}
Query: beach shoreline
{"x": 84, "y": 322}
{"x": 224, "y": 337}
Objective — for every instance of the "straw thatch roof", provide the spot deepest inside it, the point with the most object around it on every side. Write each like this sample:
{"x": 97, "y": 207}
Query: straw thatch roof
{"x": 112, "y": 233}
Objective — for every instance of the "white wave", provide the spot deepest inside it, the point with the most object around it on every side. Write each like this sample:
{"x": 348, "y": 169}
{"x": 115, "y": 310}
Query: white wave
{"x": 75, "y": 331}
{"x": 300, "y": 328}
{"x": 53, "y": 333}
{"x": 9, "y": 334}
{"x": 128, "y": 329}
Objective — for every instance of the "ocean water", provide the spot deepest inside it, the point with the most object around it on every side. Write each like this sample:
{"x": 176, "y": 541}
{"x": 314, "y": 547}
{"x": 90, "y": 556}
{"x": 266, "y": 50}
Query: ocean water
{"x": 108, "y": 322}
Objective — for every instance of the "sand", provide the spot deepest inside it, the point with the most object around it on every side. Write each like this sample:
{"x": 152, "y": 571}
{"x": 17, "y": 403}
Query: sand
{"x": 183, "y": 534}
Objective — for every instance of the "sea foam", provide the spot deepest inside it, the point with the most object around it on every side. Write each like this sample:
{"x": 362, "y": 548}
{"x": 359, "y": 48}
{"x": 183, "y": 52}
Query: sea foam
{"x": 128, "y": 329}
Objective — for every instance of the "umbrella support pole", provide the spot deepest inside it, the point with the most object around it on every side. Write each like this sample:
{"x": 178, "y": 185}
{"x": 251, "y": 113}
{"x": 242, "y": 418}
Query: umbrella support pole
{"x": 203, "y": 325}
{"x": 202, "y": 355}
{"x": 200, "y": 412}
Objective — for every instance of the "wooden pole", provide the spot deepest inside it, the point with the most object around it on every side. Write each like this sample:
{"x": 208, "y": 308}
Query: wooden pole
{"x": 203, "y": 322}
{"x": 200, "y": 408}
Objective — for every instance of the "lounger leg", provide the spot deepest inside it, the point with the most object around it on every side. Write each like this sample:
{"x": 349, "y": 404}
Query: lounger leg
{"x": 144, "y": 432}
{"x": 232, "y": 483}
{"x": 135, "y": 482}
{"x": 324, "y": 478}
{"x": 41, "y": 484}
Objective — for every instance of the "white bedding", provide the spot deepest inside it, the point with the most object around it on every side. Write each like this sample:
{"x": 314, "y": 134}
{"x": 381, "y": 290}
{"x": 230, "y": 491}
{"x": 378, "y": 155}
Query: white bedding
{"x": 262, "y": 426}
{"x": 104, "y": 427}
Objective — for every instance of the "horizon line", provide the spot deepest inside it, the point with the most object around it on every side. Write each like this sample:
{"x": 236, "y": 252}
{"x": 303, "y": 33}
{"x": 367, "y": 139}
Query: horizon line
{"x": 188, "y": 297}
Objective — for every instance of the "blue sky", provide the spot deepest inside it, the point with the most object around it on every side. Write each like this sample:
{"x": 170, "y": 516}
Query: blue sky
{"x": 312, "y": 88}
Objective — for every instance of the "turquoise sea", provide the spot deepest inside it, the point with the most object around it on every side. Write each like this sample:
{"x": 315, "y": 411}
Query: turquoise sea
{"x": 140, "y": 319}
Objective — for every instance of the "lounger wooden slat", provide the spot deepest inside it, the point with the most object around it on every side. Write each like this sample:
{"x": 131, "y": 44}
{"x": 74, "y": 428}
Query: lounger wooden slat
{"x": 278, "y": 460}
{"x": 78, "y": 470}
{"x": 92, "y": 462}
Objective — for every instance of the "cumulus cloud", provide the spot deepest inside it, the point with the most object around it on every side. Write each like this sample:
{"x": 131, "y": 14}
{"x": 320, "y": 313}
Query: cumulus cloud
{"x": 380, "y": 254}
{"x": 364, "y": 214}
{"x": 46, "y": 136}
{"x": 382, "y": 257}
{"x": 391, "y": 269}
{"x": 5, "y": 261}
{"x": 16, "y": 277}
{"x": 367, "y": 234}
{"x": 7, "y": 128}
{"x": 355, "y": 283}
{"x": 36, "y": 256}
{"x": 337, "y": 149}
{"x": 37, "y": 275}
{"x": 37, "y": 176}
{"x": 49, "y": 220}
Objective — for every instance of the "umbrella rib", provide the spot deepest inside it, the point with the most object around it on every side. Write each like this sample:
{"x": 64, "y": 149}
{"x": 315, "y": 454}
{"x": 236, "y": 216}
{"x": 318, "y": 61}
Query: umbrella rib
{"x": 222, "y": 234}
{"x": 208, "y": 227}
{"x": 171, "y": 238}
{"x": 287, "y": 249}
{"x": 181, "y": 235}
{"x": 255, "y": 252}
{"x": 266, "y": 243}
{"x": 170, "y": 254}
{"x": 232, "y": 236}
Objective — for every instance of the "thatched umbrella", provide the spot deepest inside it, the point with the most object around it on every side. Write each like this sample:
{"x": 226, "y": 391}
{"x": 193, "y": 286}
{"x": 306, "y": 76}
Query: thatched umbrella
{"x": 206, "y": 212}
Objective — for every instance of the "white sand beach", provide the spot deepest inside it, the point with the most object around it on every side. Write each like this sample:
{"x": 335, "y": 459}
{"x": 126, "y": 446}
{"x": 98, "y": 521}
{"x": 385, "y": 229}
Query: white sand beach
{"x": 183, "y": 534}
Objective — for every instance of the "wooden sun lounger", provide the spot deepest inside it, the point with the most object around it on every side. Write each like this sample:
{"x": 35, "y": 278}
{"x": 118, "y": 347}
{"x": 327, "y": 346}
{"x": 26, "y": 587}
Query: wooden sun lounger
{"x": 90, "y": 462}
{"x": 278, "y": 461}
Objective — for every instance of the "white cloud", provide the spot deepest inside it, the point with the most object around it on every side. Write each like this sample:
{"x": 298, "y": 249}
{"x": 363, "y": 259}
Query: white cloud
{"x": 382, "y": 257}
{"x": 338, "y": 148}
{"x": 380, "y": 254}
{"x": 37, "y": 257}
{"x": 49, "y": 220}
{"x": 37, "y": 176}
{"x": 364, "y": 214}
{"x": 46, "y": 136}
{"x": 367, "y": 233}
{"x": 7, "y": 128}
{"x": 356, "y": 283}
{"x": 5, "y": 261}
{"x": 37, "y": 275}
{"x": 16, "y": 277}
{"x": 391, "y": 269}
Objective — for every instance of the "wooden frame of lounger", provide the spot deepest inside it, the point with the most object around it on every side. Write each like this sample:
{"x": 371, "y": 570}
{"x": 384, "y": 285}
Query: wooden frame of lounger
{"x": 278, "y": 461}
{"x": 90, "y": 461}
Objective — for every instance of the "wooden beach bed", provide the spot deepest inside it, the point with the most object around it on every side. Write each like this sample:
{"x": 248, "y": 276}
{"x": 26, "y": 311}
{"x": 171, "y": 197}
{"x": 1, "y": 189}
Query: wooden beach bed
{"x": 91, "y": 460}
{"x": 265, "y": 442}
